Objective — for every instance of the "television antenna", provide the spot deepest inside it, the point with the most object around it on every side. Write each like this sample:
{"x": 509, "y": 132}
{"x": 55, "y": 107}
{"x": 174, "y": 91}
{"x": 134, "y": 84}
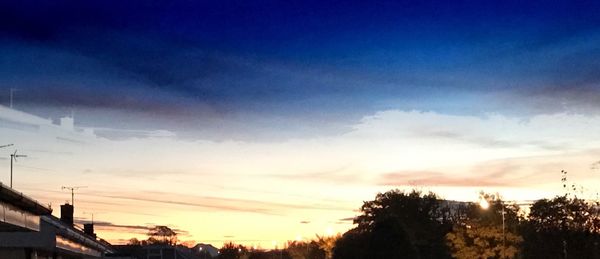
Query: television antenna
{"x": 92, "y": 213}
{"x": 72, "y": 189}
{"x": 13, "y": 158}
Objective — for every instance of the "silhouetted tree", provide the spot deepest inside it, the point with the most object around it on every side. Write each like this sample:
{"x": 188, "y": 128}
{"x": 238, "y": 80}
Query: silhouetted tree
{"x": 352, "y": 245}
{"x": 134, "y": 242}
{"x": 232, "y": 251}
{"x": 326, "y": 244}
{"x": 162, "y": 235}
{"x": 562, "y": 227}
{"x": 305, "y": 250}
{"x": 398, "y": 225}
{"x": 387, "y": 239}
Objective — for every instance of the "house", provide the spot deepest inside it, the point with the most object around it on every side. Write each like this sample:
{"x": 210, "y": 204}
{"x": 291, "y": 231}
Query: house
{"x": 29, "y": 231}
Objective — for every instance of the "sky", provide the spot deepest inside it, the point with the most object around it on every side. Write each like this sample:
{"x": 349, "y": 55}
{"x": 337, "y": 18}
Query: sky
{"x": 264, "y": 121}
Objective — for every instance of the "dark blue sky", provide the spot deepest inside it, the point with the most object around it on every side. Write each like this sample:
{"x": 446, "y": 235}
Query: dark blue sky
{"x": 297, "y": 64}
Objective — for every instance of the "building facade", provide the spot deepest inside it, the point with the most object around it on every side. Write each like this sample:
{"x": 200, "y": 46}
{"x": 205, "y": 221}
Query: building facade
{"x": 29, "y": 231}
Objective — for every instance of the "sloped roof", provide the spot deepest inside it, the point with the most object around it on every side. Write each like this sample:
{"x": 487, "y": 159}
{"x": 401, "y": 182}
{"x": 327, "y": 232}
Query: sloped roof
{"x": 22, "y": 201}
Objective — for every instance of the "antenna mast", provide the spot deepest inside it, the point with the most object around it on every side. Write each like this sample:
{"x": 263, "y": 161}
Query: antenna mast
{"x": 13, "y": 158}
{"x": 92, "y": 213}
{"x": 73, "y": 188}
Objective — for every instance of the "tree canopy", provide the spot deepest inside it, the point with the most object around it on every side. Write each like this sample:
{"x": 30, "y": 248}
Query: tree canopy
{"x": 397, "y": 225}
{"x": 563, "y": 226}
{"x": 162, "y": 235}
{"x": 486, "y": 232}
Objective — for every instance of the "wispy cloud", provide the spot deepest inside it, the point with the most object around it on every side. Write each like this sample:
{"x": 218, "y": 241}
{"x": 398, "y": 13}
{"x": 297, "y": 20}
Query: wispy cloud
{"x": 220, "y": 204}
{"x": 133, "y": 229}
{"x": 428, "y": 178}
{"x": 341, "y": 175}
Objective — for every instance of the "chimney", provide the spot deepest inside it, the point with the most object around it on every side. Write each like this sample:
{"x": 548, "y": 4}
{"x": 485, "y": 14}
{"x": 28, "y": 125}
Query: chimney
{"x": 88, "y": 228}
{"x": 66, "y": 213}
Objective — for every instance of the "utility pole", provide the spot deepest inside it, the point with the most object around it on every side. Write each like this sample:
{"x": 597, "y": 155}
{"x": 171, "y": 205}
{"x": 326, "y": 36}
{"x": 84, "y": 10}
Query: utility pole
{"x": 13, "y": 157}
{"x": 503, "y": 232}
{"x": 73, "y": 188}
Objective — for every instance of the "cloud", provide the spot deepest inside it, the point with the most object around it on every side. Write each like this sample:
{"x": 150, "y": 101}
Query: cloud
{"x": 121, "y": 134}
{"x": 158, "y": 79}
{"x": 244, "y": 99}
{"x": 339, "y": 176}
{"x": 134, "y": 229}
{"x": 494, "y": 131}
{"x": 192, "y": 204}
{"x": 220, "y": 204}
{"x": 527, "y": 173}
{"x": 104, "y": 224}
{"x": 205, "y": 93}
{"x": 425, "y": 178}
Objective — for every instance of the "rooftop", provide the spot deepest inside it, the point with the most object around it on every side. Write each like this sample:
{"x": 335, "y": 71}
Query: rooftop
{"x": 20, "y": 200}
